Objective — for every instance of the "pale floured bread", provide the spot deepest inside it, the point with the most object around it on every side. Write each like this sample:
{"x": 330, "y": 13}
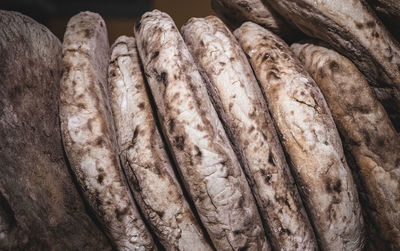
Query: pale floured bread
{"x": 89, "y": 136}
{"x": 206, "y": 161}
{"x": 352, "y": 28}
{"x": 143, "y": 155}
{"x": 309, "y": 137}
{"x": 241, "y": 105}
{"x": 367, "y": 132}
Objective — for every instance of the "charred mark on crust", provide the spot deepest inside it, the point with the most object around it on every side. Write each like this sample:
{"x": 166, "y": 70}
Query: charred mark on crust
{"x": 100, "y": 178}
{"x": 162, "y": 78}
{"x": 198, "y": 152}
{"x": 180, "y": 142}
{"x": 155, "y": 55}
{"x": 271, "y": 159}
{"x": 135, "y": 134}
{"x": 171, "y": 125}
{"x": 272, "y": 74}
{"x": 359, "y": 25}
{"x": 337, "y": 186}
{"x": 99, "y": 141}
{"x": 81, "y": 105}
{"x": 112, "y": 73}
{"x": 334, "y": 66}
{"x": 88, "y": 33}
{"x": 251, "y": 129}
{"x": 268, "y": 178}
{"x": 159, "y": 213}
{"x": 141, "y": 105}
{"x": 371, "y": 24}
{"x": 284, "y": 231}
{"x": 287, "y": 203}
{"x": 119, "y": 214}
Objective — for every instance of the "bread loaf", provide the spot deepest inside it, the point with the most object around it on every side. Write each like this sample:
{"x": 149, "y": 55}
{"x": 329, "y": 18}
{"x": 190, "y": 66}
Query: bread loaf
{"x": 235, "y": 12}
{"x": 309, "y": 137}
{"x": 206, "y": 161}
{"x": 352, "y": 28}
{"x": 89, "y": 136}
{"x": 143, "y": 155}
{"x": 367, "y": 132}
{"x": 40, "y": 207}
{"x": 241, "y": 105}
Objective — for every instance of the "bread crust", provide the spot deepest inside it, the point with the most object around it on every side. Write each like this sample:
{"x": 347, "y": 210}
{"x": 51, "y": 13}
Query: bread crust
{"x": 240, "y": 104}
{"x": 389, "y": 12}
{"x": 368, "y": 134}
{"x": 236, "y": 12}
{"x": 143, "y": 154}
{"x": 309, "y": 137}
{"x": 353, "y": 29}
{"x": 89, "y": 136}
{"x": 201, "y": 149}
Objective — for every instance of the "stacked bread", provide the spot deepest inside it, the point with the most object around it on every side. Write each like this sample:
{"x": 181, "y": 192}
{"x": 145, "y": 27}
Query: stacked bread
{"x": 208, "y": 138}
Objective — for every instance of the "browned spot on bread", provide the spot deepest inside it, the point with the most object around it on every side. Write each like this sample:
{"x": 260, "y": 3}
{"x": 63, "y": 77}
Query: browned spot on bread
{"x": 273, "y": 75}
{"x": 337, "y": 187}
{"x": 159, "y": 213}
{"x": 271, "y": 159}
{"x": 252, "y": 114}
{"x": 230, "y": 106}
{"x": 334, "y": 66}
{"x": 376, "y": 34}
{"x": 135, "y": 134}
{"x": 155, "y": 55}
{"x": 119, "y": 213}
{"x": 371, "y": 24}
{"x": 100, "y": 178}
{"x": 180, "y": 142}
{"x": 99, "y": 141}
{"x": 285, "y": 231}
{"x": 81, "y": 105}
{"x": 88, "y": 33}
{"x": 141, "y": 105}
{"x": 222, "y": 63}
{"x": 171, "y": 125}
{"x": 251, "y": 129}
{"x": 198, "y": 152}
{"x": 359, "y": 25}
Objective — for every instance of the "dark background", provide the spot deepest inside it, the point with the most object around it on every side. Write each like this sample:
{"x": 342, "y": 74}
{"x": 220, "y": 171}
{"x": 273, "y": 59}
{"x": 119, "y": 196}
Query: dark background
{"x": 120, "y": 15}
